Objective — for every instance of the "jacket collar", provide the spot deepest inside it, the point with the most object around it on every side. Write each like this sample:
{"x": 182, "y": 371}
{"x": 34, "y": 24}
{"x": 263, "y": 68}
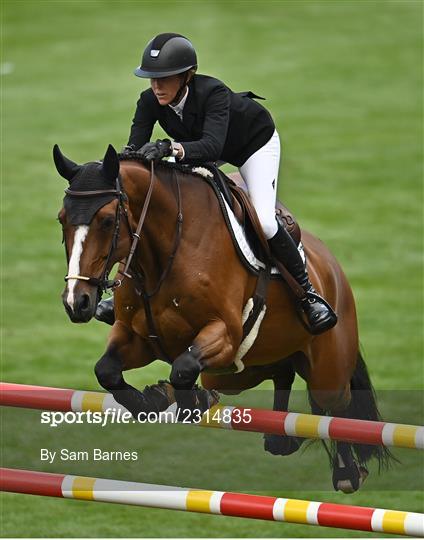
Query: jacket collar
{"x": 173, "y": 123}
{"x": 190, "y": 107}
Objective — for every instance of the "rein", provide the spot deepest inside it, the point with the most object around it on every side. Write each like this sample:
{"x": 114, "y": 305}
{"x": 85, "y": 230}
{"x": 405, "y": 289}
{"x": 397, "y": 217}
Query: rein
{"x": 136, "y": 234}
{"x": 139, "y": 273}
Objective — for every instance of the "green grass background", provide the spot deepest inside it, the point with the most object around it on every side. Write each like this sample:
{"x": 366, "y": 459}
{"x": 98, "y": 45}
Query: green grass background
{"x": 343, "y": 80}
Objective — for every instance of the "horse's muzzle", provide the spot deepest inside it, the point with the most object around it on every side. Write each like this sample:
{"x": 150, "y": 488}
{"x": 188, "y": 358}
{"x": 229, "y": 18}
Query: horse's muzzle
{"x": 80, "y": 306}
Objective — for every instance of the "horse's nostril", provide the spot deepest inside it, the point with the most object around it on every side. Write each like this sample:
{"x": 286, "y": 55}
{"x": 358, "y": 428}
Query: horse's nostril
{"x": 85, "y": 302}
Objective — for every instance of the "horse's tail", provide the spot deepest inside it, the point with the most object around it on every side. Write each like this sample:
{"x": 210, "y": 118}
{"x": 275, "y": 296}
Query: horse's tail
{"x": 364, "y": 407}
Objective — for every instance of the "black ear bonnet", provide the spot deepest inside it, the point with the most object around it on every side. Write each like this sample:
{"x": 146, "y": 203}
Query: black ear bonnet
{"x": 90, "y": 177}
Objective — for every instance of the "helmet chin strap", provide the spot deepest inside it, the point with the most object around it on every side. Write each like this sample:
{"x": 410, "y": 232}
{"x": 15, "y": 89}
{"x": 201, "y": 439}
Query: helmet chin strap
{"x": 179, "y": 94}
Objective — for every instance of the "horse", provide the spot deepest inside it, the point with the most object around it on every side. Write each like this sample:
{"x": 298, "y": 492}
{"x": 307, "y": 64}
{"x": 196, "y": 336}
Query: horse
{"x": 181, "y": 298}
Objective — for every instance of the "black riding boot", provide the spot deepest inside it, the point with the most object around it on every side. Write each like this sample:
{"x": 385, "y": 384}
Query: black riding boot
{"x": 319, "y": 314}
{"x": 105, "y": 311}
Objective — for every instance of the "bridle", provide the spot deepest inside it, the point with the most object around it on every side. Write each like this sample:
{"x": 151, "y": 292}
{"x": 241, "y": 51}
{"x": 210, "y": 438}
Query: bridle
{"x": 103, "y": 283}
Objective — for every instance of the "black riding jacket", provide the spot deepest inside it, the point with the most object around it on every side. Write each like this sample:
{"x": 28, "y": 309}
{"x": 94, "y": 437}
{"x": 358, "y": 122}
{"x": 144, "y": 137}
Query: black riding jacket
{"x": 217, "y": 124}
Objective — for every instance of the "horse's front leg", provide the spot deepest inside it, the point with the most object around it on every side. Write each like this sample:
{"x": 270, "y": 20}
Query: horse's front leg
{"x": 127, "y": 350}
{"x": 213, "y": 347}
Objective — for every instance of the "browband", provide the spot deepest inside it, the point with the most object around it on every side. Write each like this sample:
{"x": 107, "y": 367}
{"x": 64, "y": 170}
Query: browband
{"x": 91, "y": 193}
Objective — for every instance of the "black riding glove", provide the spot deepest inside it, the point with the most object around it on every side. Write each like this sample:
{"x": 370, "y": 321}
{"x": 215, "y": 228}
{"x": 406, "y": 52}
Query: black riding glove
{"x": 156, "y": 151}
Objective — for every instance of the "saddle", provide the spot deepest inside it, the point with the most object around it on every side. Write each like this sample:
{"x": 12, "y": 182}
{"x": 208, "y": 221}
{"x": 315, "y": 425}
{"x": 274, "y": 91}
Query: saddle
{"x": 235, "y": 192}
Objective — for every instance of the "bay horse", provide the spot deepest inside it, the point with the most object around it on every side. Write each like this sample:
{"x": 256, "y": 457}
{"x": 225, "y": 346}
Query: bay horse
{"x": 182, "y": 299}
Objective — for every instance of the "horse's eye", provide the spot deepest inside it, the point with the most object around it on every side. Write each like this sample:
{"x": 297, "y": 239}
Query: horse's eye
{"x": 107, "y": 223}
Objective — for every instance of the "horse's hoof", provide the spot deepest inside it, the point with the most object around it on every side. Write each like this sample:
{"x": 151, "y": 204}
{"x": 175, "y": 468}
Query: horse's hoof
{"x": 206, "y": 398}
{"x": 281, "y": 445}
{"x": 162, "y": 395}
{"x": 349, "y": 479}
{"x": 191, "y": 404}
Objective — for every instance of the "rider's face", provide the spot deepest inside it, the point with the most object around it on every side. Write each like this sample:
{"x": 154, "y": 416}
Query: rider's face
{"x": 166, "y": 88}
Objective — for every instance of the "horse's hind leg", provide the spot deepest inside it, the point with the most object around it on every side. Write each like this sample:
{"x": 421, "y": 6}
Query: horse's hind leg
{"x": 348, "y": 474}
{"x": 282, "y": 445}
{"x": 349, "y": 460}
{"x": 336, "y": 371}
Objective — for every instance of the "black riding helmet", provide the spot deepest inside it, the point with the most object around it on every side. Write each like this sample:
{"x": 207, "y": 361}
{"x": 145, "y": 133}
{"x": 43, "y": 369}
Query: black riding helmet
{"x": 166, "y": 55}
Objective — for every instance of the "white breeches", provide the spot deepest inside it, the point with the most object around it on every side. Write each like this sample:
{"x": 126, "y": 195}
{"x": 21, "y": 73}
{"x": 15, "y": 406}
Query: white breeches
{"x": 260, "y": 172}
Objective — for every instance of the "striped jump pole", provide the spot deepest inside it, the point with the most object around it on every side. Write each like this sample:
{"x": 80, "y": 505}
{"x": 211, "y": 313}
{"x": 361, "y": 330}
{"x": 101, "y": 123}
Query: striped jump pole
{"x": 213, "y": 502}
{"x": 229, "y": 417}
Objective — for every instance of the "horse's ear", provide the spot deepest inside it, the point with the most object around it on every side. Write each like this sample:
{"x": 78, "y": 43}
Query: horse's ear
{"x": 111, "y": 164}
{"x": 65, "y": 167}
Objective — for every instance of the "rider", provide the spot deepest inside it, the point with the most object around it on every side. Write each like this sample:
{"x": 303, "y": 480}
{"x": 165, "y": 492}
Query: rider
{"x": 210, "y": 123}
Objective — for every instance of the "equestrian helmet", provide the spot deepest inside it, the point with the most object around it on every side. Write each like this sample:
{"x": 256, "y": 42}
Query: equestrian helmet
{"x": 166, "y": 55}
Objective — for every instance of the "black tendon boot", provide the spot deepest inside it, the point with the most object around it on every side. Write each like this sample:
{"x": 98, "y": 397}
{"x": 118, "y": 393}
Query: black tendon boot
{"x": 319, "y": 314}
{"x": 105, "y": 311}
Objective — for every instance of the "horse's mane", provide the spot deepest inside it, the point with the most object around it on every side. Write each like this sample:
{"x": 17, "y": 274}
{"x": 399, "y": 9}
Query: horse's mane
{"x": 165, "y": 166}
